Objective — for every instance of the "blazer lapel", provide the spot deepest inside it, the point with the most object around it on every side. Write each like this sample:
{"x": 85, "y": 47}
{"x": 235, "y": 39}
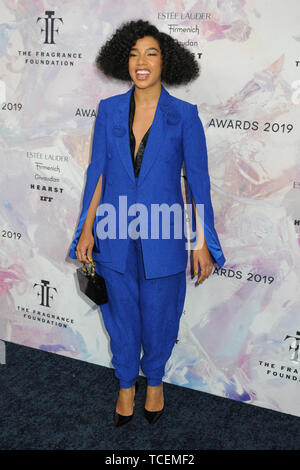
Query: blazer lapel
{"x": 157, "y": 135}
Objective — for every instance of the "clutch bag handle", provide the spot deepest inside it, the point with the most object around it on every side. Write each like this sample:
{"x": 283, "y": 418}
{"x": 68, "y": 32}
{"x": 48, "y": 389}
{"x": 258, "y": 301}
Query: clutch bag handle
{"x": 89, "y": 268}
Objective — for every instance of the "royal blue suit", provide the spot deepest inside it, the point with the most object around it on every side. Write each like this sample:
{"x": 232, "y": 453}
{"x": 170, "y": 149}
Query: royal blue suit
{"x": 146, "y": 278}
{"x": 176, "y": 137}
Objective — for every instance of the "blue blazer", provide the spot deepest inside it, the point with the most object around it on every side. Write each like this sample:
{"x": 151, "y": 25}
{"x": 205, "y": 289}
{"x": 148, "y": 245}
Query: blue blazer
{"x": 176, "y": 137}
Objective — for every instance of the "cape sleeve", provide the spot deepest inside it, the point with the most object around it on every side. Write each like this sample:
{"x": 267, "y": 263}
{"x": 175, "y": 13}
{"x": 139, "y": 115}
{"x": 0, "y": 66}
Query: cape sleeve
{"x": 94, "y": 171}
{"x": 198, "y": 182}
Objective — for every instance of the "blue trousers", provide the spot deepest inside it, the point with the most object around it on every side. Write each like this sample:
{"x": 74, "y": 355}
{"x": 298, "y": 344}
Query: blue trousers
{"x": 141, "y": 312}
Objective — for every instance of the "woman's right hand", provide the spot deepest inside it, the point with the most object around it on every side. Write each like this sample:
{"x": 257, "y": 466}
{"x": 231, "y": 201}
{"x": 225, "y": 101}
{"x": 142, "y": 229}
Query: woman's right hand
{"x": 85, "y": 246}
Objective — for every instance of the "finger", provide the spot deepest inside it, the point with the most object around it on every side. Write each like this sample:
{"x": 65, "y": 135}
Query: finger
{"x": 89, "y": 254}
{"x": 201, "y": 277}
{"x": 197, "y": 271}
{"x": 78, "y": 255}
{"x": 209, "y": 270}
{"x": 81, "y": 255}
{"x": 195, "y": 264}
{"x": 206, "y": 271}
{"x": 204, "y": 275}
{"x": 200, "y": 280}
{"x": 85, "y": 259}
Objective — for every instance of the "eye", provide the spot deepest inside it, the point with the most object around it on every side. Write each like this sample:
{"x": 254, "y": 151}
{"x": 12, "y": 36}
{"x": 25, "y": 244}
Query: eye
{"x": 133, "y": 55}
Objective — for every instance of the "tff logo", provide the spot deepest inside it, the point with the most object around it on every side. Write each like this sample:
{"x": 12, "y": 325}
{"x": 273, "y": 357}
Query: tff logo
{"x": 294, "y": 347}
{"x": 45, "y": 292}
{"x": 49, "y": 26}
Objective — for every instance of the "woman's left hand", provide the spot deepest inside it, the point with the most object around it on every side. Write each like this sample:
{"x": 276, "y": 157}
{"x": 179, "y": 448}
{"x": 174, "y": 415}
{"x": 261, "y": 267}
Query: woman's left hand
{"x": 202, "y": 257}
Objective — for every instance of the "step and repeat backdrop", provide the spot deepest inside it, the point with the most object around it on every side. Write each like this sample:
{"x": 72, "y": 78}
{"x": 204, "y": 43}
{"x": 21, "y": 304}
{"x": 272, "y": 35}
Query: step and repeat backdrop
{"x": 240, "y": 330}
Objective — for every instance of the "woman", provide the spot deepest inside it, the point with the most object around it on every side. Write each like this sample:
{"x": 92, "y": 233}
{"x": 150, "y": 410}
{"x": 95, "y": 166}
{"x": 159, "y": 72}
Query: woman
{"x": 145, "y": 278}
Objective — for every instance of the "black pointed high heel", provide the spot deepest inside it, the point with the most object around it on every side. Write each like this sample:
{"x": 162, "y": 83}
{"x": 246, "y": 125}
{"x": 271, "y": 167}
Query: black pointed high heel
{"x": 119, "y": 420}
{"x": 153, "y": 416}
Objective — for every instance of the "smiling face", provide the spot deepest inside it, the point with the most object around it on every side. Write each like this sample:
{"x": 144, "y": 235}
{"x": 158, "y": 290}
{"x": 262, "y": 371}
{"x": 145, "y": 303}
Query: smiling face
{"x": 146, "y": 57}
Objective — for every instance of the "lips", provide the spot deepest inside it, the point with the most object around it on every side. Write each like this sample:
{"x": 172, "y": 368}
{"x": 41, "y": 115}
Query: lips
{"x": 142, "y": 74}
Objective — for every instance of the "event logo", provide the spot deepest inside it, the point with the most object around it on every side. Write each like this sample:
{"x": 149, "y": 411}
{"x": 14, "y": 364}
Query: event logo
{"x": 294, "y": 347}
{"x": 49, "y": 26}
{"x": 44, "y": 292}
{"x": 49, "y": 56}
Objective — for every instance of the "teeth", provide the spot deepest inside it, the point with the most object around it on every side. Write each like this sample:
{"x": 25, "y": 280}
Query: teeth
{"x": 142, "y": 71}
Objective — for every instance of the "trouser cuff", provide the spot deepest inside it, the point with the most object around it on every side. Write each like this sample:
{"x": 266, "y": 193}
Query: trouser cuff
{"x": 127, "y": 384}
{"x": 153, "y": 382}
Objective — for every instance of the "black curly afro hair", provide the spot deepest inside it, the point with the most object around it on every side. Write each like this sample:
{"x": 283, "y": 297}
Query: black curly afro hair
{"x": 178, "y": 63}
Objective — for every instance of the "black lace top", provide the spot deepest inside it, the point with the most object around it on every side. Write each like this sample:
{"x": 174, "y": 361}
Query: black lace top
{"x": 140, "y": 153}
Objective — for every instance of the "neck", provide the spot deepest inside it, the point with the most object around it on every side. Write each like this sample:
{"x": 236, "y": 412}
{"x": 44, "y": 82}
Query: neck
{"x": 147, "y": 97}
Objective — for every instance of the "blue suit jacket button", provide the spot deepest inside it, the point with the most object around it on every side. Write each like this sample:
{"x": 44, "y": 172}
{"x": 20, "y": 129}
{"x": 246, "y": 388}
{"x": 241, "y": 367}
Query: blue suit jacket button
{"x": 172, "y": 117}
{"x": 110, "y": 181}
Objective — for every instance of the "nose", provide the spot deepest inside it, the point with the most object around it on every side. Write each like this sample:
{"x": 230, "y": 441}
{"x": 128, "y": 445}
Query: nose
{"x": 141, "y": 60}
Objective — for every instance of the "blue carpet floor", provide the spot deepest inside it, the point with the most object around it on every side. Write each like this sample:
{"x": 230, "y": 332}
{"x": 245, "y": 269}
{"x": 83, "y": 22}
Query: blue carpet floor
{"x": 52, "y": 402}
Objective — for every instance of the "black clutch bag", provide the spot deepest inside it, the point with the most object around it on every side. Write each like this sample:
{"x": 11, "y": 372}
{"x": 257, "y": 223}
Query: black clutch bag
{"x": 92, "y": 284}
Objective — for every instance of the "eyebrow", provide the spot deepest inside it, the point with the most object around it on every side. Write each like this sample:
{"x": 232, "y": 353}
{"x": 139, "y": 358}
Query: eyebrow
{"x": 148, "y": 49}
